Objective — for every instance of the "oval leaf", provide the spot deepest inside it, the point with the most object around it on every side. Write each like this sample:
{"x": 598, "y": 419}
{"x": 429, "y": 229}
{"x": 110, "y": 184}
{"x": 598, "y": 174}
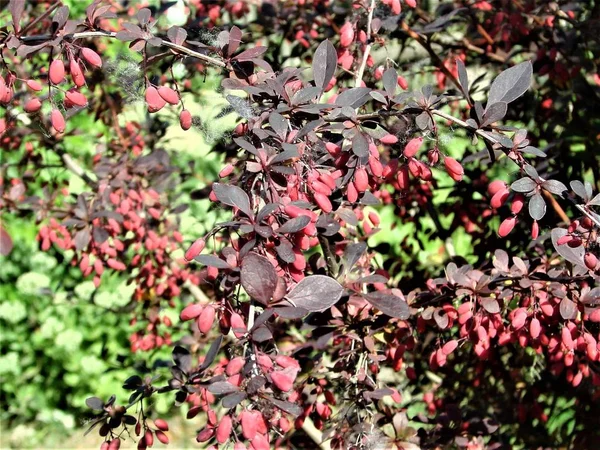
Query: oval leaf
{"x": 316, "y": 293}
{"x": 258, "y": 277}
{"x": 389, "y": 304}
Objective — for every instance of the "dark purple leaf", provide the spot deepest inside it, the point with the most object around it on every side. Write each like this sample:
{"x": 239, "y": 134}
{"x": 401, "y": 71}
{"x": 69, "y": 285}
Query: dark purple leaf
{"x": 233, "y": 196}
{"x": 279, "y": 124}
{"x": 6, "y": 243}
{"x": 371, "y": 279}
{"x": 289, "y": 312}
{"x": 354, "y": 97}
{"x": 360, "y": 145}
{"x": 389, "y": 304}
{"x": 580, "y": 189}
{"x": 95, "y": 403}
{"x": 182, "y": 358}
{"x": 212, "y": 261}
{"x": 441, "y": 318}
{"x": 211, "y": 354}
{"x": 222, "y": 388}
{"x": 16, "y": 10}
{"x": 261, "y": 334}
{"x": 177, "y": 35}
{"x": 288, "y": 407}
{"x": 100, "y": 235}
{"x": 573, "y": 255}
{"x": 289, "y": 151}
{"x": 390, "y": 81}
{"x": 490, "y": 305}
{"x": 510, "y": 84}
{"x": 537, "y": 207}
{"x": 235, "y": 39}
{"x": 82, "y": 239}
{"x": 258, "y": 277}
{"x": 232, "y": 400}
{"x": 286, "y": 252}
{"x": 568, "y": 309}
{"x": 143, "y": 16}
{"x": 494, "y": 113}
{"x": 316, "y": 293}
{"x": 294, "y": 225}
{"x": 324, "y": 64}
{"x": 353, "y": 253}
{"x": 246, "y": 145}
{"x": 555, "y": 187}
{"x": 463, "y": 78}
{"x": 250, "y": 53}
{"x": 61, "y": 16}
{"x": 523, "y": 185}
{"x": 306, "y": 95}
{"x": 266, "y": 211}
{"x": 530, "y": 150}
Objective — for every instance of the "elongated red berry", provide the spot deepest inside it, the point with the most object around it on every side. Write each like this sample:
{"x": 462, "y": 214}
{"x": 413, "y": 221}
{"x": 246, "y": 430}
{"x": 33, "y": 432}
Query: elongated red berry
{"x": 449, "y": 347}
{"x": 169, "y": 95}
{"x": 76, "y": 97}
{"x": 323, "y": 202}
{"x": 412, "y": 147}
{"x": 161, "y": 424}
{"x": 507, "y": 226}
{"x": 32, "y": 105}
{"x": 402, "y": 82}
{"x": 195, "y": 249}
{"x": 162, "y": 437}
{"x": 191, "y": 312}
{"x": 517, "y": 204}
{"x": 76, "y": 73}
{"x": 155, "y": 102}
{"x": 57, "y": 71}
{"x": 388, "y": 139}
{"x": 34, "y": 85}
{"x": 361, "y": 179}
{"x": 346, "y": 34}
{"x": 591, "y": 261}
{"x": 496, "y": 186}
{"x": 185, "y": 119}
{"x": 57, "y": 120}
{"x": 206, "y": 319}
{"x": 91, "y": 57}
{"x": 226, "y": 171}
{"x": 224, "y": 429}
{"x": 499, "y": 198}
{"x": 454, "y": 168}
{"x": 534, "y": 328}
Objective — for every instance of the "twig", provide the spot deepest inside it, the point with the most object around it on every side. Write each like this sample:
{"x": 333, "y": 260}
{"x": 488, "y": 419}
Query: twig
{"x": 111, "y": 34}
{"x": 72, "y": 165}
{"x": 197, "y": 293}
{"x": 361, "y": 69}
{"x": 493, "y": 140}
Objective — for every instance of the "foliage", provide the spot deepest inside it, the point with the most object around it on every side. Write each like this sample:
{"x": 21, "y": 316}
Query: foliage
{"x": 311, "y": 324}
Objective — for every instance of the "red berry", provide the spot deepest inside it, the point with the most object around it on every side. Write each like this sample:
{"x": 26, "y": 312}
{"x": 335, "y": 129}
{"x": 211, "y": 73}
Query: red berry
{"x": 185, "y": 119}
{"x": 206, "y": 319}
{"x": 412, "y": 147}
{"x": 590, "y": 260}
{"x": 191, "y": 312}
{"x": 162, "y": 437}
{"x": 224, "y": 429}
{"x": 402, "y": 83}
{"x": 161, "y": 424}
{"x": 76, "y": 97}
{"x": 195, "y": 249}
{"x": 155, "y": 102}
{"x": 91, "y": 57}
{"x": 361, "y": 179}
{"x": 32, "y": 105}
{"x": 388, "y": 139}
{"x": 57, "y": 71}
{"x": 346, "y": 34}
{"x": 323, "y": 202}
{"x": 57, "y": 120}
{"x": 169, "y": 95}
{"x": 507, "y": 226}
{"x": 76, "y": 73}
{"x": 517, "y": 204}
{"x": 454, "y": 168}
{"x": 496, "y": 186}
{"x": 34, "y": 85}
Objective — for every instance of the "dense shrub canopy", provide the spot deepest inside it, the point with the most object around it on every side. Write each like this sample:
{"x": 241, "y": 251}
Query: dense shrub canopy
{"x": 392, "y": 243}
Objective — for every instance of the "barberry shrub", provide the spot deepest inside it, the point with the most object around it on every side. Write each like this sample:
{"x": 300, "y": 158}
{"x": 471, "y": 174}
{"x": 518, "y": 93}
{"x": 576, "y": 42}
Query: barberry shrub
{"x": 400, "y": 264}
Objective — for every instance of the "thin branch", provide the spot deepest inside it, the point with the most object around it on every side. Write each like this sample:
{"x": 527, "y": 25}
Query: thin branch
{"x": 493, "y": 140}
{"x": 74, "y": 167}
{"x": 361, "y": 69}
{"x": 111, "y": 34}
